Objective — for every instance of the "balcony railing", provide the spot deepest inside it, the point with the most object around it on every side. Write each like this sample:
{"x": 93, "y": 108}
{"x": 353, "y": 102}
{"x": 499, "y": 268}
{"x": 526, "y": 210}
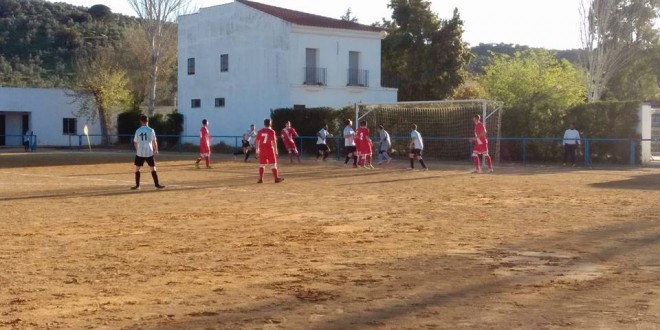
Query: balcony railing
{"x": 358, "y": 77}
{"x": 315, "y": 76}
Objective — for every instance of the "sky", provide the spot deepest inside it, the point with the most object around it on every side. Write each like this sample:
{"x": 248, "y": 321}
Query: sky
{"x": 553, "y": 24}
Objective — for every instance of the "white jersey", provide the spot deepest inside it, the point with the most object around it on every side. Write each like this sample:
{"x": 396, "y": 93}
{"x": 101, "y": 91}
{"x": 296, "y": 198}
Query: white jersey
{"x": 350, "y": 140}
{"x": 418, "y": 142}
{"x": 323, "y": 135}
{"x": 249, "y": 136}
{"x": 144, "y": 136}
{"x": 385, "y": 141}
{"x": 571, "y": 136}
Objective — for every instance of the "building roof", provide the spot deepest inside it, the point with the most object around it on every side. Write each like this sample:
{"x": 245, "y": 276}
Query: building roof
{"x": 305, "y": 19}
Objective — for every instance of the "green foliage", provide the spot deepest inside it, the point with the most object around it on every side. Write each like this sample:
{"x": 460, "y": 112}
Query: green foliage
{"x": 423, "y": 55}
{"x": 309, "y": 121}
{"x": 168, "y": 127}
{"x": 638, "y": 80}
{"x": 39, "y": 40}
{"x": 536, "y": 88}
{"x": 611, "y": 119}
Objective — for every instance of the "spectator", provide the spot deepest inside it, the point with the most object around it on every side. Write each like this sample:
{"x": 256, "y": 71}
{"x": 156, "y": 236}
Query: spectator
{"x": 571, "y": 141}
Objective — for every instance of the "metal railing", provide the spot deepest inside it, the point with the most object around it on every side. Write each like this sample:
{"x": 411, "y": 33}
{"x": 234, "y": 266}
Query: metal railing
{"x": 357, "y": 77}
{"x": 315, "y": 76}
{"x": 594, "y": 151}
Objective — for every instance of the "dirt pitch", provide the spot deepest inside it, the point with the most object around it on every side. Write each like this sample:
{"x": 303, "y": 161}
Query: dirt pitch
{"x": 330, "y": 248}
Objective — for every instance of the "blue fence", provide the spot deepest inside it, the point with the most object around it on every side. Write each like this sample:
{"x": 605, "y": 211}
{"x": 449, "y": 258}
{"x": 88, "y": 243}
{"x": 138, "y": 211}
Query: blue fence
{"x": 512, "y": 149}
{"x": 18, "y": 140}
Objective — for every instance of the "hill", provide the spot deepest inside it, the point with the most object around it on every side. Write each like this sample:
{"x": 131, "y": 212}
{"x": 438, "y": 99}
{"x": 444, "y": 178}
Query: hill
{"x": 39, "y": 40}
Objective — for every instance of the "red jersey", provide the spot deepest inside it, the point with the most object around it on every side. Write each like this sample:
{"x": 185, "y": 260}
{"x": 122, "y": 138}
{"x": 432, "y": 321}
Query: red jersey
{"x": 265, "y": 138}
{"x": 287, "y": 136}
{"x": 204, "y": 140}
{"x": 480, "y": 133}
{"x": 362, "y": 140}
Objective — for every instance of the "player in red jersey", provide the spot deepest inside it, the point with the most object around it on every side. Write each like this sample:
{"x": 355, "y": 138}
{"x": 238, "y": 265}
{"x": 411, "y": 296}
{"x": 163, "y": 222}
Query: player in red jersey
{"x": 266, "y": 147}
{"x": 204, "y": 145}
{"x": 363, "y": 145}
{"x": 480, "y": 145}
{"x": 288, "y": 133}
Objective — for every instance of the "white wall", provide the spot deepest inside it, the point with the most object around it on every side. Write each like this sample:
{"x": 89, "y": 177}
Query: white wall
{"x": 47, "y": 108}
{"x": 257, "y": 45}
{"x": 266, "y": 65}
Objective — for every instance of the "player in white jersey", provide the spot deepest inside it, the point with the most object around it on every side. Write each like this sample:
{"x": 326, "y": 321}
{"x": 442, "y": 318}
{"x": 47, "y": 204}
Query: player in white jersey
{"x": 349, "y": 143}
{"x": 247, "y": 143}
{"x": 322, "y": 144}
{"x": 146, "y": 148}
{"x": 416, "y": 148}
{"x": 384, "y": 145}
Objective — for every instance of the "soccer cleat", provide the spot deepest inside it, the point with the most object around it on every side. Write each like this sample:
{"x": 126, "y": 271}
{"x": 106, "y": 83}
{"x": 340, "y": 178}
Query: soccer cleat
{"x": 159, "y": 186}
{"x": 425, "y": 169}
{"x": 209, "y": 167}
{"x": 379, "y": 163}
{"x": 389, "y": 160}
{"x": 490, "y": 171}
{"x": 278, "y": 180}
{"x": 260, "y": 181}
{"x": 476, "y": 172}
{"x": 135, "y": 187}
{"x": 371, "y": 167}
{"x": 197, "y": 166}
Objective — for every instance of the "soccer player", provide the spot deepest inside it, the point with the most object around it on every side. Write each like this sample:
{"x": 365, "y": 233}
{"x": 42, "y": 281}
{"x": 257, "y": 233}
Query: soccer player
{"x": 247, "y": 143}
{"x": 416, "y": 148}
{"x": 204, "y": 145}
{"x": 363, "y": 145}
{"x": 480, "y": 145}
{"x": 266, "y": 148}
{"x": 384, "y": 145}
{"x": 349, "y": 143}
{"x": 288, "y": 133}
{"x": 146, "y": 148}
{"x": 322, "y": 144}
{"x": 571, "y": 141}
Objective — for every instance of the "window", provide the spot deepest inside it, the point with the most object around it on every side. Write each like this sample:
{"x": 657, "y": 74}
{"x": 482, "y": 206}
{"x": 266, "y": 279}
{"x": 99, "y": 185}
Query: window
{"x": 69, "y": 126}
{"x": 195, "y": 103}
{"x": 220, "y": 102}
{"x": 191, "y": 66}
{"x": 224, "y": 62}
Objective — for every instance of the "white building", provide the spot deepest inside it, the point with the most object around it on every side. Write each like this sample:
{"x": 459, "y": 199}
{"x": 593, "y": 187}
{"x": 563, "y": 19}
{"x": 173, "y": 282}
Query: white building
{"x": 240, "y": 60}
{"x": 49, "y": 113}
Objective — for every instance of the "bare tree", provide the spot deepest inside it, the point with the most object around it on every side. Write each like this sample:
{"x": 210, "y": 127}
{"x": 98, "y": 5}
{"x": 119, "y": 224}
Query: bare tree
{"x": 157, "y": 19}
{"x": 100, "y": 88}
{"x": 612, "y": 33}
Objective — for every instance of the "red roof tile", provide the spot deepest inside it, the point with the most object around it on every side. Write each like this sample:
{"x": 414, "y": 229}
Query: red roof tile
{"x": 305, "y": 19}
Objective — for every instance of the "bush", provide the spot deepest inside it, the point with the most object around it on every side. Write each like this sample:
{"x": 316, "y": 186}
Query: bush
{"x": 309, "y": 121}
{"x": 169, "y": 126}
{"x": 612, "y": 119}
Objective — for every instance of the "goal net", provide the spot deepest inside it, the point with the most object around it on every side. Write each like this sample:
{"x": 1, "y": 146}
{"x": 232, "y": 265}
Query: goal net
{"x": 445, "y": 126}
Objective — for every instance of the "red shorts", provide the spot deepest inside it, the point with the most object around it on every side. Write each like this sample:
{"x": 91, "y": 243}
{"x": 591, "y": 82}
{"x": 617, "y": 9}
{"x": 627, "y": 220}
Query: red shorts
{"x": 289, "y": 146}
{"x": 267, "y": 158}
{"x": 481, "y": 148}
{"x": 365, "y": 149}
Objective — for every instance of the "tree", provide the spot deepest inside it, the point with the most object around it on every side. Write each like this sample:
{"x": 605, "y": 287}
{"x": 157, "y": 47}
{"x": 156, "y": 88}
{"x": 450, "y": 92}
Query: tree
{"x": 422, "y": 54}
{"x": 156, "y": 18}
{"x": 638, "y": 80}
{"x": 349, "y": 16}
{"x": 614, "y": 32}
{"x": 536, "y": 89}
{"x": 101, "y": 88}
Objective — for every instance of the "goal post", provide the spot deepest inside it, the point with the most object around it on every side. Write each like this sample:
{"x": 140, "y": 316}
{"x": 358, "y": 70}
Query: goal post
{"x": 445, "y": 125}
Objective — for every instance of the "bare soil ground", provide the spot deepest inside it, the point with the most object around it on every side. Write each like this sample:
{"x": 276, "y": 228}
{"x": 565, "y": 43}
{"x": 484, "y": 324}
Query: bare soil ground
{"x": 330, "y": 248}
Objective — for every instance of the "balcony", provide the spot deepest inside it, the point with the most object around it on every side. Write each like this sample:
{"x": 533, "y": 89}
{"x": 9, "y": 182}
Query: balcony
{"x": 358, "y": 78}
{"x": 315, "y": 76}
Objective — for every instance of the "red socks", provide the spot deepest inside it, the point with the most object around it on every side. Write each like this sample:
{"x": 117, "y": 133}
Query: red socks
{"x": 489, "y": 162}
{"x": 275, "y": 175}
{"x": 476, "y": 162}
{"x": 261, "y": 173}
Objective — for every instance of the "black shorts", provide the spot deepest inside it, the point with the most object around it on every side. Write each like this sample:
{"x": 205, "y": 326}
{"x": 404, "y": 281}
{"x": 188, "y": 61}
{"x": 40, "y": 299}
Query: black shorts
{"x": 246, "y": 144}
{"x": 139, "y": 161}
{"x": 350, "y": 149}
{"x": 416, "y": 152}
{"x": 322, "y": 147}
